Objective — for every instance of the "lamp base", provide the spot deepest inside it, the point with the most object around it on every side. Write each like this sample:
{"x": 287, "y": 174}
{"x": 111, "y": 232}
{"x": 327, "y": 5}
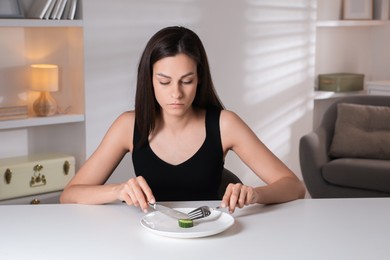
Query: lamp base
{"x": 45, "y": 105}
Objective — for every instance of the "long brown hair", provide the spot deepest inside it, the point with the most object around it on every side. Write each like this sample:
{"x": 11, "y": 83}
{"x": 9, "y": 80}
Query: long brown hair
{"x": 169, "y": 42}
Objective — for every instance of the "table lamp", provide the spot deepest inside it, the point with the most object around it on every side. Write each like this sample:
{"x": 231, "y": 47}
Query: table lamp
{"x": 44, "y": 78}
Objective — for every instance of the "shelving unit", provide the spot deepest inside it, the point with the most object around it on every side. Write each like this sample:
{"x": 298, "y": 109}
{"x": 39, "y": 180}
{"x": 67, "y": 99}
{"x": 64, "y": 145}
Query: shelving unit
{"x": 27, "y": 41}
{"x": 351, "y": 23}
{"x": 40, "y": 23}
{"x": 40, "y": 121}
{"x": 348, "y": 46}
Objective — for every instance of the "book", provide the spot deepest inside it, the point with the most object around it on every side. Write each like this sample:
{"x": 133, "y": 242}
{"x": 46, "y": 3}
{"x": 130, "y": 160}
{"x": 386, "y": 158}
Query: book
{"x": 13, "y": 112}
{"x": 49, "y": 10}
{"x": 53, "y": 15}
{"x": 61, "y": 9}
{"x": 66, "y": 10}
{"x": 38, "y": 8}
{"x": 72, "y": 10}
{"x": 12, "y": 117}
{"x": 381, "y": 9}
{"x": 378, "y": 87}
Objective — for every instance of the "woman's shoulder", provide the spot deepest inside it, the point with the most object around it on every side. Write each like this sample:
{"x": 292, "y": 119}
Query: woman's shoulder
{"x": 127, "y": 115}
{"x": 228, "y": 117}
{"x": 234, "y": 131}
{"x": 231, "y": 122}
{"x": 122, "y": 130}
{"x": 126, "y": 119}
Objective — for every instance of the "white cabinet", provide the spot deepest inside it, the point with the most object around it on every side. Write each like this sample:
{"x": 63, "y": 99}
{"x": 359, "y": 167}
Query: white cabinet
{"x": 27, "y": 41}
{"x": 46, "y": 198}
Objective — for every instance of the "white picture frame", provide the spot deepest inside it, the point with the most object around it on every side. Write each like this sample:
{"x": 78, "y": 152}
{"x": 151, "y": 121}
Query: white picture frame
{"x": 10, "y": 9}
{"x": 358, "y": 10}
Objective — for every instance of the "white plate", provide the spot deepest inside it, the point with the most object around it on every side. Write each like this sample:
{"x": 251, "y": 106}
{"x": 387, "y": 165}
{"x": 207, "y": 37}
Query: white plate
{"x": 163, "y": 225}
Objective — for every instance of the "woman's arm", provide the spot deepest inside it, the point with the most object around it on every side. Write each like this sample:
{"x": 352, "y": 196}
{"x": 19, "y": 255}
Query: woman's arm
{"x": 87, "y": 187}
{"x": 282, "y": 183}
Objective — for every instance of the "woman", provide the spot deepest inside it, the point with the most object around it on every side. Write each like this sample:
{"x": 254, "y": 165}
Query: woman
{"x": 179, "y": 135}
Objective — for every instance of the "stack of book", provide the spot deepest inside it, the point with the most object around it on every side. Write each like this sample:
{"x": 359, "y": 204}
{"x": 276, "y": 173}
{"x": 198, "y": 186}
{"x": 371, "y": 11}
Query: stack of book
{"x": 53, "y": 9}
{"x": 13, "y": 112}
{"x": 378, "y": 87}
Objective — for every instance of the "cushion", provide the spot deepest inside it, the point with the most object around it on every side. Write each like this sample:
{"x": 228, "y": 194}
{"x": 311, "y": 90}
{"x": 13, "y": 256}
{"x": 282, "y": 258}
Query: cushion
{"x": 369, "y": 174}
{"x": 361, "y": 131}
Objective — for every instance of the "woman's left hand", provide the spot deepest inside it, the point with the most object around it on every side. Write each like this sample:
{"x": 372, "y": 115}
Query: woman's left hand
{"x": 238, "y": 195}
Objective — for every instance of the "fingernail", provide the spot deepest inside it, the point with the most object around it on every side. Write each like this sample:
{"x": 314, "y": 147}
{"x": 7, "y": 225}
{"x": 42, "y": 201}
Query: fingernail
{"x": 145, "y": 211}
{"x": 223, "y": 205}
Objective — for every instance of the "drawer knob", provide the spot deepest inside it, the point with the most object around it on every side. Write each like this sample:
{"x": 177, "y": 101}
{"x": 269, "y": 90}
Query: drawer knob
{"x": 66, "y": 167}
{"x": 8, "y": 176}
{"x": 37, "y": 179}
{"x": 35, "y": 202}
{"x": 38, "y": 168}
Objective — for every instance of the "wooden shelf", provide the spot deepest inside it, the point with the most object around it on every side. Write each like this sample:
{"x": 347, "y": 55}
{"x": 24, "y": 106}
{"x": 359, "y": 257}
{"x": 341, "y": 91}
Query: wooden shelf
{"x": 40, "y": 23}
{"x": 351, "y": 23}
{"x": 41, "y": 121}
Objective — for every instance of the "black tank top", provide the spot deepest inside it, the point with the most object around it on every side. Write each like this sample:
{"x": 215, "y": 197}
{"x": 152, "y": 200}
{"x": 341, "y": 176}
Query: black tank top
{"x": 197, "y": 178}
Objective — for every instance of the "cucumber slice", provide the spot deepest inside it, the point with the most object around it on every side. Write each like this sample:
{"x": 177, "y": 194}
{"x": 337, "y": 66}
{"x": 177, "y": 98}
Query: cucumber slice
{"x": 186, "y": 223}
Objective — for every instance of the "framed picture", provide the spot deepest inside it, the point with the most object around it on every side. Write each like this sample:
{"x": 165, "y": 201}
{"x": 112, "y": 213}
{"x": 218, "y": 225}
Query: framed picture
{"x": 358, "y": 9}
{"x": 10, "y": 9}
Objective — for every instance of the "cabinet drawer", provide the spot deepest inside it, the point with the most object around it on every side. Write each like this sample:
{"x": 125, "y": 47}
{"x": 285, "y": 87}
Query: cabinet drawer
{"x": 35, "y": 174}
{"x": 46, "y": 198}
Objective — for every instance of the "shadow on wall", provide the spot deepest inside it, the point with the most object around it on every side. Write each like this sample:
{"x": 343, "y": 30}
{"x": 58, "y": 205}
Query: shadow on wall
{"x": 279, "y": 72}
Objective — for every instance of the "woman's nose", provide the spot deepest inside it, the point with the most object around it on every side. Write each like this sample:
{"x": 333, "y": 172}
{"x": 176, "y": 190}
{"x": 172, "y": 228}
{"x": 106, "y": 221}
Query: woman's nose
{"x": 176, "y": 91}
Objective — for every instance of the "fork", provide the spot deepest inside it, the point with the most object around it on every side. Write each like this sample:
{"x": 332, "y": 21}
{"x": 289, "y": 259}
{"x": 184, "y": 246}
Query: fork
{"x": 201, "y": 212}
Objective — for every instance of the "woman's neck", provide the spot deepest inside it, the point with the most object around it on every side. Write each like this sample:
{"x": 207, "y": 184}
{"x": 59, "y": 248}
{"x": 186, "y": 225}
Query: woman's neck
{"x": 176, "y": 124}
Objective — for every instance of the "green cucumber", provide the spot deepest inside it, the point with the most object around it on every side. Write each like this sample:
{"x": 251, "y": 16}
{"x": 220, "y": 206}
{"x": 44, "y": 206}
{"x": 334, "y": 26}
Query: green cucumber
{"x": 186, "y": 223}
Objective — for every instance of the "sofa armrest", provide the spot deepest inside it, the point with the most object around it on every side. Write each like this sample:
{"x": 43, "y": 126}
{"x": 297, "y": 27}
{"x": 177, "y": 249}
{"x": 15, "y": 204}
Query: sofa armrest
{"x": 313, "y": 154}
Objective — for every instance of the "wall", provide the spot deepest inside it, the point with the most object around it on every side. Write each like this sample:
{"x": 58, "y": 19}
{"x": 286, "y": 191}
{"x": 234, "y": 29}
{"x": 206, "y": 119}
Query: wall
{"x": 261, "y": 55}
{"x": 380, "y": 37}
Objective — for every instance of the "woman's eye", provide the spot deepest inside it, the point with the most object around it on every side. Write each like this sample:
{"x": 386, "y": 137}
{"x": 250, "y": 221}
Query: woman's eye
{"x": 164, "y": 83}
{"x": 187, "y": 82}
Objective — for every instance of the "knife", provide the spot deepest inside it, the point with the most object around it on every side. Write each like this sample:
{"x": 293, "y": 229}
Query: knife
{"x": 168, "y": 211}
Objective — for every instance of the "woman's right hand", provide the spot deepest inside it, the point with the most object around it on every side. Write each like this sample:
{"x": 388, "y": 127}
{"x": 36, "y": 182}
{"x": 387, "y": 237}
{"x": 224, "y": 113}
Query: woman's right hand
{"x": 136, "y": 192}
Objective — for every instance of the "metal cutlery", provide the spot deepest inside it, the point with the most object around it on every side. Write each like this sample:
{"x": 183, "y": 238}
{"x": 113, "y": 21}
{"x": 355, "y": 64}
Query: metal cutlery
{"x": 168, "y": 211}
{"x": 201, "y": 212}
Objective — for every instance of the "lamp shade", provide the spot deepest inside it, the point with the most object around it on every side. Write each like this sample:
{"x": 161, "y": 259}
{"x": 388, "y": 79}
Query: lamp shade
{"x": 44, "y": 77}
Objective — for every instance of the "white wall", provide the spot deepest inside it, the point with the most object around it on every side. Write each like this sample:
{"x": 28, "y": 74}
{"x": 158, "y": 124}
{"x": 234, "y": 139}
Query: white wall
{"x": 261, "y": 55}
{"x": 381, "y": 55}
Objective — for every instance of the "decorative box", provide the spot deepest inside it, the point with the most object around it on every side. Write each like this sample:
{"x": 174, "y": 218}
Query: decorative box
{"x": 35, "y": 174}
{"x": 340, "y": 82}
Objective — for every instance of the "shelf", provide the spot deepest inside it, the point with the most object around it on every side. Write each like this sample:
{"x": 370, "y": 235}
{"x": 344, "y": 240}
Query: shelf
{"x": 41, "y": 121}
{"x": 351, "y": 23}
{"x": 40, "y": 23}
{"x": 320, "y": 94}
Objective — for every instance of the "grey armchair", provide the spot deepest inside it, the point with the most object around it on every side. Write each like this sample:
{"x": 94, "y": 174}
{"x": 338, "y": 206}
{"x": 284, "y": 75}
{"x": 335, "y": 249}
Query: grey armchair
{"x": 227, "y": 177}
{"x": 329, "y": 177}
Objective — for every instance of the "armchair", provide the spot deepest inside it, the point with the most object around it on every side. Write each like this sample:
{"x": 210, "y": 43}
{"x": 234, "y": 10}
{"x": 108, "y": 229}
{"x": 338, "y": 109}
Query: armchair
{"x": 227, "y": 177}
{"x": 327, "y": 176}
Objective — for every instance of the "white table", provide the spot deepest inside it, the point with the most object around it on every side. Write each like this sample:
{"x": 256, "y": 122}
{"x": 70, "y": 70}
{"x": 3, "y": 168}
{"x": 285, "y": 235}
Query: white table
{"x": 303, "y": 229}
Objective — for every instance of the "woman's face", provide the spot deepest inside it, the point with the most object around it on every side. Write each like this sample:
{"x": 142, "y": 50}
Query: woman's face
{"x": 175, "y": 80}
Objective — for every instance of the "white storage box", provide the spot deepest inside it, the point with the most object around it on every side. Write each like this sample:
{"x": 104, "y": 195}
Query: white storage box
{"x": 35, "y": 174}
{"x": 378, "y": 87}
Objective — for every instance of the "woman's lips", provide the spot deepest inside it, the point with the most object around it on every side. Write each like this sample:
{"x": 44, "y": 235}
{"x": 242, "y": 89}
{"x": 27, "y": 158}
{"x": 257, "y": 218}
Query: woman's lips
{"x": 176, "y": 105}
